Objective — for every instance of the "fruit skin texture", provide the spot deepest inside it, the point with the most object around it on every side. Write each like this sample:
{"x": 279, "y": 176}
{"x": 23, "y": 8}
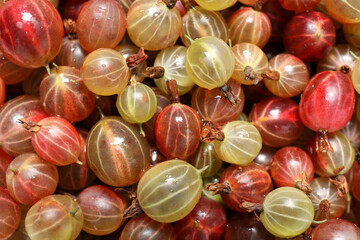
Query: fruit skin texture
{"x": 177, "y": 131}
{"x": 336, "y": 229}
{"x": 206, "y": 221}
{"x": 57, "y": 142}
{"x": 100, "y": 24}
{"x": 2, "y": 91}
{"x": 299, "y": 5}
{"x": 170, "y": 190}
{"x": 34, "y": 178}
{"x": 10, "y": 214}
{"x": 31, "y": 32}
{"x": 309, "y": 36}
{"x": 327, "y": 102}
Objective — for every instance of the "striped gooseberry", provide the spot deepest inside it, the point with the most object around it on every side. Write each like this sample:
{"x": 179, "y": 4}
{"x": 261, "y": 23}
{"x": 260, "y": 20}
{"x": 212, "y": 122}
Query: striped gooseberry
{"x": 31, "y": 32}
{"x": 206, "y": 221}
{"x": 309, "y": 36}
{"x": 71, "y": 53}
{"x": 172, "y": 60}
{"x": 55, "y": 140}
{"x": 169, "y": 191}
{"x": 142, "y": 228}
{"x": 14, "y": 139}
{"x": 103, "y": 209}
{"x": 30, "y": 178}
{"x": 239, "y": 184}
{"x": 265, "y": 156}
{"x": 325, "y": 95}
{"x": 152, "y": 31}
{"x": 213, "y": 106}
{"x": 64, "y": 95}
{"x": 334, "y": 229}
{"x": 251, "y": 26}
{"x": 12, "y": 73}
{"x": 327, "y": 201}
{"x": 55, "y": 217}
{"x": 199, "y": 22}
{"x": 344, "y": 11}
{"x": 5, "y": 160}
{"x": 352, "y": 33}
{"x": 250, "y": 62}
{"x": 331, "y": 163}
{"x": 242, "y": 143}
{"x": 299, "y": 5}
{"x": 215, "y": 5}
{"x": 292, "y": 77}
{"x": 10, "y": 214}
{"x": 287, "y": 213}
{"x": 209, "y": 62}
{"x": 352, "y": 131}
{"x": 177, "y": 127}
{"x": 292, "y": 167}
{"x": 105, "y": 72}
{"x": 116, "y": 152}
{"x": 110, "y": 20}
{"x": 277, "y": 120}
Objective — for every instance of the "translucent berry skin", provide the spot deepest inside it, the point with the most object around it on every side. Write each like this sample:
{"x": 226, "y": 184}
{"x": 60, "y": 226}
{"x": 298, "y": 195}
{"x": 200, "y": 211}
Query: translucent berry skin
{"x": 248, "y": 54}
{"x": 293, "y": 79}
{"x": 339, "y": 56}
{"x": 344, "y": 11}
{"x": 213, "y": 106}
{"x": 309, "y": 36}
{"x": 63, "y": 97}
{"x": 327, "y": 102}
{"x": 199, "y": 22}
{"x": 352, "y": 131}
{"x": 12, "y": 73}
{"x": 355, "y": 76}
{"x": 352, "y": 33}
{"x": 5, "y": 160}
{"x": 34, "y": 178}
{"x": 142, "y": 227}
{"x": 2, "y": 91}
{"x": 152, "y": 31}
{"x": 251, "y": 26}
{"x": 215, "y": 5}
{"x": 71, "y": 9}
{"x": 299, "y": 5}
{"x": 355, "y": 188}
{"x": 103, "y": 209}
{"x": 100, "y": 24}
{"x": 336, "y": 229}
{"x": 105, "y": 72}
{"x": 245, "y": 226}
{"x": 77, "y": 176}
{"x": 172, "y": 59}
{"x": 264, "y": 158}
{"x": 57, "y": 217}
{"x": 288, "y": 166}
{"x": 324, "y": 190}
{"x": 57, "y": 142}
{"x": 169, "y": 191}
{"x": 71, "y": 54}
{"x": 206, "y": 221}
{"x": 249, "y": 183}
{"x": 241, "y": 145}
{"x": 277, "y": 120}
{"x": 177, "y": 131}
{"x": 209, "y": 62}
{"x": 116, "y": 152}
{"x": 31, "y": 32}
{"x": 331, "y": 164}
{"x": 287, "y": 213}
{"x": 10, "y": 214}
{"x": 15, "y": 139}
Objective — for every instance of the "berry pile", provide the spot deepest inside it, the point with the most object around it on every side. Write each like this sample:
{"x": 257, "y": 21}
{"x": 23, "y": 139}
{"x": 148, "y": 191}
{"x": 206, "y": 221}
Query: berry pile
{"x": 179, "y": 119}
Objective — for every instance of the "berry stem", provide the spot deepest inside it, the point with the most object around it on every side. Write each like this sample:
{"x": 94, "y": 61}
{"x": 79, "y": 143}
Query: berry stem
{"x": 354, "y": 55}
{"x": 324, "y": 205}
{"x": 70, "y": 28}
{"x": 319, "y": 222}
{"x": 345, "y": 69}
{"x": 271, "y": 75}
{"x": 75, "y": 211}
{"x": 102, "y": 115}
{"x": 252, "y": 207}
{"x": 190, "y": 39}
{"x": 173, "y": 91}
{"x": 15, "y": 171}
{"x": 47, "y": 68}
{"x": 227, "y": 92}
{"x": 134, "y": 60}
{"x": 210, "y": 132}
{"x": 154, "y": 72}
{"x": 170, "y": 3}
{"x": 251, "y": 75}
{"x": 29, "y": 125}
{"x": 218, "y": 188}
{"x": 303, "y": 184}
{"x": 141, "y": 129}
{"x": 322, "y": 141}
{"x": 56, "y": 66}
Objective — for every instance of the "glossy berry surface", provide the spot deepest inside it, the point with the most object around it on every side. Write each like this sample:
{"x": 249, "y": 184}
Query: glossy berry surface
{"x": 277, "y": 120}
{"x": 309, "y": 36}
{"x": 336, "y": 229}
{"x": 142, "y": 227}
{"x": 5, "y": 160}
{"x": 15, "y": 139}
{"x": 71, "y": 53}
{"x": 344, "y": 11}
{"x": 2, "y": 91}
{"x": 12, "y": 73}
{"x": 110, "y": 20}
{"x": 327, "y": 102}
{"x": 57, "y": 141}
{"x": 206, "y": 221}
{"x": 299, "y": 5}
{"x": 10, "y": 214}
{"x": 31, "y": 32}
